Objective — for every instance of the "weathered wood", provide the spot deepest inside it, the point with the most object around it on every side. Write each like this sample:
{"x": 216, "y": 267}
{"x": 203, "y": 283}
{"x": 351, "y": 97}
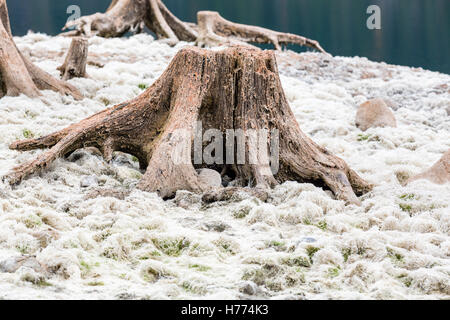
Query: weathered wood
{"x": 74, "y": 65}
{"x": 211, "y": 29}
{"x": 214, "y": 30}
{"x": 237, "y": 88}
{"x": 17, "y": 73}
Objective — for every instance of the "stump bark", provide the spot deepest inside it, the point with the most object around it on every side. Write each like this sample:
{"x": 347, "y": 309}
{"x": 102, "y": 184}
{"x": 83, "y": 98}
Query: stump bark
{"x": 234, "y": 89}
{"x": 211, "y": 29}
{"x": 18, "y": 74}
{"x": 74, "y": 65}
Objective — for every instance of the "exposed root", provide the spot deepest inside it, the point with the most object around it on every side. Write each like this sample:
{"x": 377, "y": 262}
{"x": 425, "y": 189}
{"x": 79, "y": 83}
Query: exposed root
{"x": 211, "y": 29}
{"x": 214, "y": 30}
{"x": 18, "y": 74}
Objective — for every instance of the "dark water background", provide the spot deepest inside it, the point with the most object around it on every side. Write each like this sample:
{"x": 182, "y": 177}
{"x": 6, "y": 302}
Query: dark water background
{"x": 414, "y": 32}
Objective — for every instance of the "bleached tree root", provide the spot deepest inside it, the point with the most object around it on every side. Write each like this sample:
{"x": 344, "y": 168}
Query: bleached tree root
{"x": 18, "y": 75}
{"x": 74, "y": 65}
{"x": 124, "y": 16}
{"x": 237, "y": 88}
{"x": 211, "y": 29}
{"x": 214, "y": 31}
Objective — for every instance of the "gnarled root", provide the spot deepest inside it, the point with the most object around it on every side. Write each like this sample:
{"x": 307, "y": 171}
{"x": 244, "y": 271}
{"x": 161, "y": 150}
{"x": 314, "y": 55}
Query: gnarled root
{"x": 124, "y": 16}
{"x": 214, "y": 30}
{"x": 233, "y": 91}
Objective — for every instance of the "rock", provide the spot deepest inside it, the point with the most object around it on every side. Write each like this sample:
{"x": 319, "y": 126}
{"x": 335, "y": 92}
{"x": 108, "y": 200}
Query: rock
{"x": 83, "y": 153}
{"x": 77, "y": 155}
{"x": 11, "y": 265}
{"x": 3, "y": 194}
{"x": 210, "y": 177}
{"x": 439, "y": 173}
{"x": 187, "y": 200}
{"x": 108, "y": 193}
{"x": 249, "y": 288}
{"x": 89, "y": 181}
{"x": 122, "y": 159}
{"x": 375, "y": 113}
{"x": 391, "y": 104}
{"x": 216, "y": 226}
{"x": 308, "y": 240}
{"x": 28, "y": 274}
{"x": 45, "y": 237}
{"x": 226, "y": 181}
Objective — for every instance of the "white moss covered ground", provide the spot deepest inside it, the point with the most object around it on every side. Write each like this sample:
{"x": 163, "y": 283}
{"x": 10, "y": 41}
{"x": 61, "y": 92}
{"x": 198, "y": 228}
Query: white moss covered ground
{"x": 302, "y": 244}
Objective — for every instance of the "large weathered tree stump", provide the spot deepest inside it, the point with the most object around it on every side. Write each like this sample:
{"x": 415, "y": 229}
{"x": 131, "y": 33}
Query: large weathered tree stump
{"x": 235, "y": 89}
{"x": 74, "y": 65}
{"x": 211, "y": 29}
{"x": 18, "y": 74}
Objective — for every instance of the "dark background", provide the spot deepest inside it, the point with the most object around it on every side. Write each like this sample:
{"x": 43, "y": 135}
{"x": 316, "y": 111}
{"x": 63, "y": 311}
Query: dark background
{"x": 414, "y": 32}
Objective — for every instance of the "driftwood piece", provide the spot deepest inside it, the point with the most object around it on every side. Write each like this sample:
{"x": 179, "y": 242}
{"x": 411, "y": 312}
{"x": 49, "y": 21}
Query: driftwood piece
{"x": 211, "y": 29}
{"x": 74, "y": 65}
{"x": 214, "y": 31}
{"x": 18, "y": 75}
{"x": 238, "y": 88}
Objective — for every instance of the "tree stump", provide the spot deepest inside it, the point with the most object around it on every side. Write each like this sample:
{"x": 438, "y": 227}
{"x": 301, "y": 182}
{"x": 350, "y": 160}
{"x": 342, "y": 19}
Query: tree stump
{"x": 225, "y": 91}
{"x": 18, "y": 74}
{"x": 211, "y": 29}
{"x": 74, "y": 65}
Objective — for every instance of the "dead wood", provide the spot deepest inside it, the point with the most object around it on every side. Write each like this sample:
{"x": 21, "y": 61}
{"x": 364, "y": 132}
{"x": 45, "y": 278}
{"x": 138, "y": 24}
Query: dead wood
{"x": 74, "y": 65}
{"x": 211, "y": 29}
{"x": 238, "y": 88}
{"x": 18, "y": 75}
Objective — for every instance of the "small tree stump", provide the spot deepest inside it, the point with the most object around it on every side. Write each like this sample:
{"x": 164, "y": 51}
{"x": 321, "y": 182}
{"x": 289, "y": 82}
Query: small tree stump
{"x": 235, "y": 89}
{"x": 75, "y": 64}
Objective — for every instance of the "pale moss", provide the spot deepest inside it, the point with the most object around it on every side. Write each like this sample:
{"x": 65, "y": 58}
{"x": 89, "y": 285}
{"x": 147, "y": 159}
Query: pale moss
{"x": 27, "y": 134}
{"x": 334, "y": 272}
{"x": 171, "y": 247}
{"x": 23, "y": 248}
{"x": 322, "y": 225}
{"x": 298, "y": 261}
{"x": 241, "y": 213}
{"x": 105, "y": 101}
{"x": 395, "y": 256}
{"x": 192, "y": 288}
{"x": 363, "y": 137}
{"x": 406, "y": 207}
{"x": 32, "y": 221}
{"x": 409, "y": 196}
{"x": 311, "y": 251}
{"x": 199, "y": 267}
{"x": 346, "y": 253}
